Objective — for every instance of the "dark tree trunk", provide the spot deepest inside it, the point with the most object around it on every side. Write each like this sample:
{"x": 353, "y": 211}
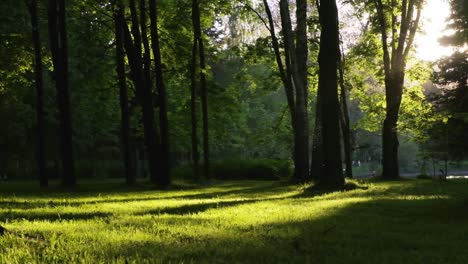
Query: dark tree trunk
{"x": 58, "y": 40}
{"x": 332, "y": 175}
{"x": 193, "y": 98}
{"x": 390, "y": 143}
{"x": 394, "y": 69}
{"x": 144, "y": 94}
{"x": 345, "y": 127}
{"x": 40, "y": 151}
{"x": 125, "y": 116}
{"x": 165, "y": 178}
{"x": 285, "y": 73}
{"x": 316, "y": 164}
{"x": 203, "y": 88}
{"x": 301, "y": 84}
{"x": 285, "y": 77}
{"x": 296, "y": 69}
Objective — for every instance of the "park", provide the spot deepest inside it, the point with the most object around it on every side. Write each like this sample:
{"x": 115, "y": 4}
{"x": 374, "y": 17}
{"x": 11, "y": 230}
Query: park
{"x": 244, "y": 131}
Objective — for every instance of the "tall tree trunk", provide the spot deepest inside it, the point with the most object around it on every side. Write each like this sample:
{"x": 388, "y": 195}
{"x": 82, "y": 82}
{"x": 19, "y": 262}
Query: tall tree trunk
{"x": 345, "y": 127}
{"x": 193, "y": 97}
{"x": 293, "y": 73}
{"x": 58, "y": 39}
{"x": 390, "y": 143}
{"x": 316, "y": 164}
{"x": 301, "y": 84}
{"x": 162, "y": 98}
{"x": 332, "y": 175}
{"x": 130, "y": 171}
{"x": 40, "y": 151}
{"x": 285, "y": 73}
{"x": 285, "y": 77}
{"x": 296, "y": 69}
{"x": 144, "y": 94}
{"x": 394, "y": 69}
{"x": 203, "y": 90}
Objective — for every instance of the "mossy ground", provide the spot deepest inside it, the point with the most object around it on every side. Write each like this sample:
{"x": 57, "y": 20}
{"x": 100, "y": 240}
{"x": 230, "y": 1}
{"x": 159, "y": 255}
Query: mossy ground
{"x": 412, "y": 221}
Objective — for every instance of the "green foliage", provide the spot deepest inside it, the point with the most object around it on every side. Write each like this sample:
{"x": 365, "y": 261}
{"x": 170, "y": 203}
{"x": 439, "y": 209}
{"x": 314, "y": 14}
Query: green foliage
{"x": 457, "y": 22}
{"x": 418, "y": 115}
{"x": 452, "y": 77}
{"x": 365, "y": 74}
{"x": 245, "y": 222}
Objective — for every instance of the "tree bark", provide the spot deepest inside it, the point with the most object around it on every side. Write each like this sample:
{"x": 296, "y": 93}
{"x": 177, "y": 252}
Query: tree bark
{"x": 40, "y": 149}
{"x": 203, "y": 90}
{"x": 345, "y": 125}
{"x": 164, "y": 179}
{"x": 193, "y": 96}
{"x": 285, "y": 78}
{"x": 332, "y": 175}
{"x": 144, "y": 94}
{"x": 301, "y": 84}
{"x": 390, "y": 143}
{"x": 58, "y": 39}
{"x": 296, "y": 69}
{"x": 316, "y": 164}
{"x": 130, "y": 171}
{"x": 394, "y": 68}
{"x": 285, "y": 70}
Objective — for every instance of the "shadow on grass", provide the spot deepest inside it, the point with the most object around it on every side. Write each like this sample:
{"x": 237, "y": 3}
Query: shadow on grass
{"x": 386, "y": 228}
{"x": 374, "y": 231}
{"x": 240, "y": 189}
{"x": 198, "y": 208}
{"x": 50, "y": 216}
{"x": 316, "y": 190}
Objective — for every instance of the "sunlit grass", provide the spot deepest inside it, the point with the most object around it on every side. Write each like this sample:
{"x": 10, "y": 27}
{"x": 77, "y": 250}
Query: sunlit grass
{"x": 236, "y": 222}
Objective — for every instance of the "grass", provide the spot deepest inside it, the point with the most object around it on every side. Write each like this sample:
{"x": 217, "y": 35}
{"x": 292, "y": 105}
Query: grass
{"x": 412, "y": 221}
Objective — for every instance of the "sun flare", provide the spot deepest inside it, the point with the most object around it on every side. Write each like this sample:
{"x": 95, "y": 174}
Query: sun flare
{"x": 433, "y": 26}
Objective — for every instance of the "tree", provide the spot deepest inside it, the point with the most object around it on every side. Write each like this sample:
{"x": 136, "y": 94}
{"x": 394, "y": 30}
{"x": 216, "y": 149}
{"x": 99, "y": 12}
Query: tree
{"x": 143, "y": 90}
{"x": 59, "y": 51}
{"x": 293, "y": 73}
{"x": 125, "y": 115}
{"x": 344, "y": 120}
{"x": 203, "y": 86}
{"x": 40, "y": 151}
{"x": 164, "y": 179}
{"x": 193, "y": 94}
{"x": 330, "y": 174}
{"x": 452, "y": 76}
{"x": 395, "y": 52}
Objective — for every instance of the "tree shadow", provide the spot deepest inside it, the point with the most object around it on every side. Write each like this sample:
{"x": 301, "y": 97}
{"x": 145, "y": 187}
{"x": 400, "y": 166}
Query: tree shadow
{"x": 372, "y": 231}
{"x": 50, "y": 216}
{"x": 198, "y": 208}
{"x": 387, "y": 228}
{"x": 241, "y": 189}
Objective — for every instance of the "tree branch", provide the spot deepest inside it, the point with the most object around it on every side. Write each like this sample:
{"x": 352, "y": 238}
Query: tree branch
{"x": 412, "y": 33}
{"x": 246, "y": 6}
{"x": 406, "y": 16}
{"x": 383, "y": 33}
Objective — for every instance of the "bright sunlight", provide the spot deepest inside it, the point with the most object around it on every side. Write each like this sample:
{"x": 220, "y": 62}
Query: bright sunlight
{"x": 434, "y": 16}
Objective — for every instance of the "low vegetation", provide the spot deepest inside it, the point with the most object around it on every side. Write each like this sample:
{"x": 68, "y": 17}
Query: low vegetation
{"x": 412, "y": 221}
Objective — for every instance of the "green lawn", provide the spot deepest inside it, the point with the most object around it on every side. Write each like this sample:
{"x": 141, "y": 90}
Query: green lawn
{"x": 412, "y": 221}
